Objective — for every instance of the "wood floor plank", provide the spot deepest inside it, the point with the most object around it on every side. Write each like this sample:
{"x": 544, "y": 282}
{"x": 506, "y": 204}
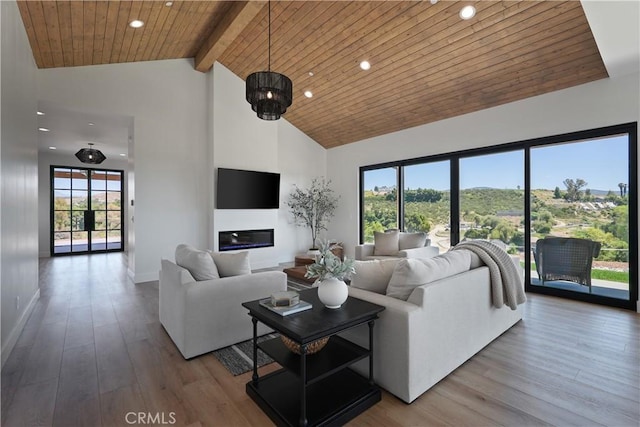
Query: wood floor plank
{"x": 117, "y": 404}
{"x": 32, "y": 405}
{"x": 114, "y": 365}
{"x": 45, "y": 355}
{"x": 78, "y": 400}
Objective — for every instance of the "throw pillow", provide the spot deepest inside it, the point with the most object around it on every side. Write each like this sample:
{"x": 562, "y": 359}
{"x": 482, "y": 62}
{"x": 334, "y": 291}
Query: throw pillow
{"x": 232, "y": 264}
{"x": 373, "y": 275}
{"x": 385, "y": 243}
{"x": 198, "y": 262}
{"x": 413, "y": 272}
{"x": 411, "y": 240}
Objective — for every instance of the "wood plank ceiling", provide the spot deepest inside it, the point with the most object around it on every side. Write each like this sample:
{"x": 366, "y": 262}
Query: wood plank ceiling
{"x": 427, "y": 64}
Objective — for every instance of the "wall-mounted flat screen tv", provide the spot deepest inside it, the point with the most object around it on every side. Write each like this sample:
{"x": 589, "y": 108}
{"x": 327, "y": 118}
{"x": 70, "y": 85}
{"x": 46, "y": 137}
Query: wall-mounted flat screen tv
{"x": 244, "y": 189}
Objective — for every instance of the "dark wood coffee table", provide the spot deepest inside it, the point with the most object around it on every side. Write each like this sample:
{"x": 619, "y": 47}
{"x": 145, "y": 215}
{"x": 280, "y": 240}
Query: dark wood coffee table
{"x": 317, "y": 389}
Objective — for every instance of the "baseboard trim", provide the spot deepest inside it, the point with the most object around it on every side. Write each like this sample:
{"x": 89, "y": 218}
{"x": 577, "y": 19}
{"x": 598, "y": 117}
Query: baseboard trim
{"x": 146, "y": 277}
{"x": 17, "y": 329}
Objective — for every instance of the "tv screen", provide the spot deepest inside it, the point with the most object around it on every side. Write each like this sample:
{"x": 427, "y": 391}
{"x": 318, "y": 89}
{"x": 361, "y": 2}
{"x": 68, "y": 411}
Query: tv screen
{"x": 243, "y": 189}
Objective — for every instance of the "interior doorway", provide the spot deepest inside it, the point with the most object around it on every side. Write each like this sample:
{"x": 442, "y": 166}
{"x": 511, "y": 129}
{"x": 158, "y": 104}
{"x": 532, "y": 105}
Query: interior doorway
{"x": 86, "y": 210}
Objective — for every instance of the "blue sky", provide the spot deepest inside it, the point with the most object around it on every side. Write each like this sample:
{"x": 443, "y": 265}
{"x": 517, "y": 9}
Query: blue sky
{"x": 602, "y": 163}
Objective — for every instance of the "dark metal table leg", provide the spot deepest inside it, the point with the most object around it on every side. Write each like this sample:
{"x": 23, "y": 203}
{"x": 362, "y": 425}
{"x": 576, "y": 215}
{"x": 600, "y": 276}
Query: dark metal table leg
{"x": 303, "y": 385}
{"x": 371, "y": 323}
{"x": 254, "y": 377}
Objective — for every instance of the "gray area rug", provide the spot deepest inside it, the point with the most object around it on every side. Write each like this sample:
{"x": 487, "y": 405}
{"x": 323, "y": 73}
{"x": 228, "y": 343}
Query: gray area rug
{"x": 238, "y": 358}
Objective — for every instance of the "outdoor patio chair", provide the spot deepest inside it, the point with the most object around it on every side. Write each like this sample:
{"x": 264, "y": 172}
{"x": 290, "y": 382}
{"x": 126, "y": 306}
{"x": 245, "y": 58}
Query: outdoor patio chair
{"x": 564, "y": 258}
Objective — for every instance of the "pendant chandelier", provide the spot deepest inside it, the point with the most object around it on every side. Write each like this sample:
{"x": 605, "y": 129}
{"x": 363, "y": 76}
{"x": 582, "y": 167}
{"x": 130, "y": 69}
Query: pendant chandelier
{"x": 269, "y": 93}
{"x": 90, "y": 155}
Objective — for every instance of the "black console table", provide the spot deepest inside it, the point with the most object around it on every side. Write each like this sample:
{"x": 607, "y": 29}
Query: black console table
{"x": 314, "y": 389}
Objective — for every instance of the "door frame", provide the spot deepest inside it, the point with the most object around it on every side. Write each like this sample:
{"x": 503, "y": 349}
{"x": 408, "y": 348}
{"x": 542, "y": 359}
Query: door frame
{"x": 52, "y": 169}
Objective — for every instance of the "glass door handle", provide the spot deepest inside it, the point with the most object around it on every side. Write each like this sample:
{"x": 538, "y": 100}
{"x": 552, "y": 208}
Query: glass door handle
{"x": 89, "y": 221}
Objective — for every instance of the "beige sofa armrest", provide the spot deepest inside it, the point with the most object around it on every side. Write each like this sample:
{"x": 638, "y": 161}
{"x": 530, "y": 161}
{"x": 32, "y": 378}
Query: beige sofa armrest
{"x": 424, "y": 252}
{"x": 363, "y": 251}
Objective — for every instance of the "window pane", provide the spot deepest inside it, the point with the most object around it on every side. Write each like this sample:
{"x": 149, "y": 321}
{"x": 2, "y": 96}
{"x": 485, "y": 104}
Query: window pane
{"x": 61, "y": 243}
{"x": 98, "y": 200}
{"x": 114, "y": 181}
{"x": 98, "y": 180}
{"x": 62, "y": 221}
{"x": 62, "y": 178}
{"x": 98, "y": 240}
{"x": 380, "y": 201}
{"x": 77, "y": 220}
{"x": 113, "y": 200}
{"x": 80, "y": 241}
{"x": 113, "y": 220}
{"x": 579, "y": 190}
{"x": 492, "y": 198}
{"x": 100, "y": 220}
{"x": 79, "y": 200}
{"x": 427, "y": 201}
{"x": 114, "y": 240}
{"x": 62, "y": 201}
{"x": 79, "y": 180}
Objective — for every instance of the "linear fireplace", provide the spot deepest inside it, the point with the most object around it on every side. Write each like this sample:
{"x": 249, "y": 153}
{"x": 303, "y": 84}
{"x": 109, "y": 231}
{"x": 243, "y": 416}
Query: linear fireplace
{"x": 244, "y": 239}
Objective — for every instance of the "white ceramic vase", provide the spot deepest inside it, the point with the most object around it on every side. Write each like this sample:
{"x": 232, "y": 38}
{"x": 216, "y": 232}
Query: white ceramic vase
{"x": 333, "y": 292}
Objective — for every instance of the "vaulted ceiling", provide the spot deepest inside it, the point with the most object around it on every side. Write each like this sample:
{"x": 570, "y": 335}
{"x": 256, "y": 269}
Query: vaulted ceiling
{"x": 427, "y": 64}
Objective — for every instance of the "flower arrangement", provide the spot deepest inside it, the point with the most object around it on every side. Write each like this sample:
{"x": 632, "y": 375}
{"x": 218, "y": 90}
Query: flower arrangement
{"x": 328, "y": 265}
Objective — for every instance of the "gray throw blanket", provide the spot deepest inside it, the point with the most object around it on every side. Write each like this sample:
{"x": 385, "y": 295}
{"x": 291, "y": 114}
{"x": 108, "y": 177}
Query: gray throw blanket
{"x": 506, "y": 281}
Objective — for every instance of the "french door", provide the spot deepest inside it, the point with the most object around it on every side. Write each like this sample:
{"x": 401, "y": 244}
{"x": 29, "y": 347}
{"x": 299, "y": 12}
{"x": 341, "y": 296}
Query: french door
{"x": 86, "y": 210}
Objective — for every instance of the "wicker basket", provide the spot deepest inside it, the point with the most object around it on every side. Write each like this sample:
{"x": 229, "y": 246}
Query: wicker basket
{"x": 312, "y": 347}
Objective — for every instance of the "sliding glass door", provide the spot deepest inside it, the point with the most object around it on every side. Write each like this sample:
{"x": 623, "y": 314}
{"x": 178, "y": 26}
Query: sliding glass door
{"x": 86, "y": 210}
{"x": 580, "y": 194}
{"x": 566, "y": 206}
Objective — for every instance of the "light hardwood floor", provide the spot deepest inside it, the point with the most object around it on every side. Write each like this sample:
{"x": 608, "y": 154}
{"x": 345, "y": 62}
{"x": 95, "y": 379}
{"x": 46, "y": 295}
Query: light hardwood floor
{"x": 93, "y": 350}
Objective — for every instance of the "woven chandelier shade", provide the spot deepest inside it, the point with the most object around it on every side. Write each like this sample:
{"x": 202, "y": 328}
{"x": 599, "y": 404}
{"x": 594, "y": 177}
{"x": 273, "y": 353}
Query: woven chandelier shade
{"x": 90, "y": 155}
{"x": 269, "y": 93}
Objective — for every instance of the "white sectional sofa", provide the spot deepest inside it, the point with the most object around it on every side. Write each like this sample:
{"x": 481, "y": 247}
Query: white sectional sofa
{"x": 204, "y": 315}
{"x": 441, "y": 325}
{"x": 395, "y": 244}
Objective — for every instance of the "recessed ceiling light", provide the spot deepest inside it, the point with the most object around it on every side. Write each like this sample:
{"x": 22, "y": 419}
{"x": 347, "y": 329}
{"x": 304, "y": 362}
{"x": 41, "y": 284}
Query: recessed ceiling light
{"x": 122, "y": 154}
{"x": 40, "y": 113}
{"x": 169, "y": 4}
{"x": 434, "y": 1}
{"x": 91, "y": 124}
{"x": 44, "y": 129}
{"x": 365, "y": 65}
{"x": 52, "y": 148}
{"x": 308, "y": 93}
{"x": 311, "y": 73}
{"x": 467, "y": 12}
{"x": 136, "y": 23}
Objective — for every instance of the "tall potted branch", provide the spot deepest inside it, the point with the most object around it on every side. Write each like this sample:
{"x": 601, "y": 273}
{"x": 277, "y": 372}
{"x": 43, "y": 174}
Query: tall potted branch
{"x": 313, "y": 206}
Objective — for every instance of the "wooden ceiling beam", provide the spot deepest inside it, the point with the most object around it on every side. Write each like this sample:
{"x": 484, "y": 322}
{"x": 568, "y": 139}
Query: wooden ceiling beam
{"x": 233, "y": 23}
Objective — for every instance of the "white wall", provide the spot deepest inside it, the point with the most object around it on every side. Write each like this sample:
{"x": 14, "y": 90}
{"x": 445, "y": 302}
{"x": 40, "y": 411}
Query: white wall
{"x": 243, "y": 141}
{"x": 47, "y": 159}
{"x": 19, "y": 184}
{"x": 602, "y": 103}
{"x": 168, "y": 101}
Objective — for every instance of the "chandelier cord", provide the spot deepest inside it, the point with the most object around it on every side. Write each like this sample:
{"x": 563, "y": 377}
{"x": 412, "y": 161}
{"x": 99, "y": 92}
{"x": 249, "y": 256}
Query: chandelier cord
{"x": 269, "y": 30}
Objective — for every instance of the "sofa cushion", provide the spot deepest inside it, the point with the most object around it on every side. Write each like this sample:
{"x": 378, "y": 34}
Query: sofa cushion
{"x": 386, "y": 243}
{"x": 232, "y": 264}
{"x": 373, "y": 275}
{"x": 197, "y": 262}
{"x": 411, "y": 240}
{"x": 410, "y": 273}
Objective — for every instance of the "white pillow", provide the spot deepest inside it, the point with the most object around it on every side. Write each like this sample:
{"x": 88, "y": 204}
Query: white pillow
{"x": 386, "y": 243}
{"x": 411, "y": 240}
{"x": 232, "y": 264}
{"x": 198, "y": 262}
{"x": 373, "y": 275}
{"x": 410, "y": 273}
